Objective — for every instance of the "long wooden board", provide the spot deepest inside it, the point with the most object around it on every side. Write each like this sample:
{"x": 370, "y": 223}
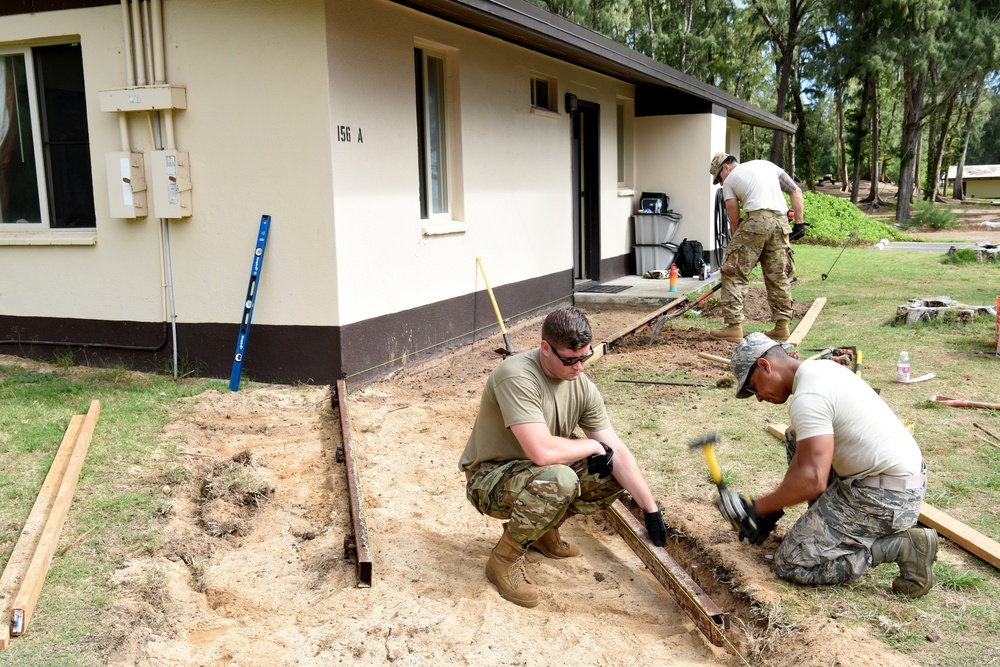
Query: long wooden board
{"x": 968, "y": 538}
{"x": 807, "y": 322}
{"x": 31, "y": 587}
{"x": 20, "y": 557}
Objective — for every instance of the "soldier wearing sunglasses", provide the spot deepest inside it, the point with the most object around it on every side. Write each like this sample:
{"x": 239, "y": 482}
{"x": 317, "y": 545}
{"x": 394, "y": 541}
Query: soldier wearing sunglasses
{"x": 524, "y": 465}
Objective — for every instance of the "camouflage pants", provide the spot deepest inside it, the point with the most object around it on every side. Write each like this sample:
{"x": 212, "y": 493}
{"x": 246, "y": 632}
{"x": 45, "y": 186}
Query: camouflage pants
{"x": 831, "y": 542}
{"x": 761, "y": 237}
{"x": 536, "y": 498}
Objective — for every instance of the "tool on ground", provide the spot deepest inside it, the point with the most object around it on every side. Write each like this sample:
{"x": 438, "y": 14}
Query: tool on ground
{"x": 677, "y": 313}
{"x": 827, "y": 274}
{"x": 679, "y": 384}
{"x": 960, "y": 403}
{"x": 857, "y": 364}
{"x": 509, "y": 348}
{"x": 845, "y": 356}
{"x": 248, "y": 303}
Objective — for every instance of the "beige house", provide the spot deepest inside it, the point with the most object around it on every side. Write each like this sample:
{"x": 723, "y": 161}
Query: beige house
{"x": 391, "y": 142}
{"x": 979, "y": 181}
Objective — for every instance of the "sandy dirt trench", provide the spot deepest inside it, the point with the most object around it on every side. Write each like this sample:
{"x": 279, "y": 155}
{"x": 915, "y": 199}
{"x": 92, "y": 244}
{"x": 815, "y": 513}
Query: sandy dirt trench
{"x": 281, "y": 593}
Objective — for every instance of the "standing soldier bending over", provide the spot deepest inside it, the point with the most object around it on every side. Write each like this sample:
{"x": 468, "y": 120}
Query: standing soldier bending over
{"x": 761, "y": 236}
{"x": 851, "y": 459}
{"x": 523, "y": 465}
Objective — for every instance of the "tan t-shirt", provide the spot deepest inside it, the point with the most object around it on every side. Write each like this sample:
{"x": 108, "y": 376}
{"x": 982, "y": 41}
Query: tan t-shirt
{"x": 519, "y": 392}
{"x": 868, "y": 438}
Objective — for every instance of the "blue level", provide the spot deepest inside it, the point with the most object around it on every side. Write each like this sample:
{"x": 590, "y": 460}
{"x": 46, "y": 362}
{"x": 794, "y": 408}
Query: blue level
{"x": 241, "y": 342}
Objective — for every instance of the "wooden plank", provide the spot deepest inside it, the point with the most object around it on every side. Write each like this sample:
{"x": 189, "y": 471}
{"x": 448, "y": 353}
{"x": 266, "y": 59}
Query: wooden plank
{"x": 968, "y": 538}
{"x": 777, "y": 430}
{"x": 20, "y": 557}
{"x": 707, "y": 615}
{"x": 638, "y": 324}
{"x": 364, "y": 559}
{"x": 807, "y": 322}
{"x": 713, "y": 357}
{"x": 31, "y": 586}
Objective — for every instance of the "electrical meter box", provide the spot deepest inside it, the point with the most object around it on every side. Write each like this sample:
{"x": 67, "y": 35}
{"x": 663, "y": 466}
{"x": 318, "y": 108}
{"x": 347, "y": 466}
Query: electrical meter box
{"x": 126, "y": 185}
{"x": 170, "y": 184}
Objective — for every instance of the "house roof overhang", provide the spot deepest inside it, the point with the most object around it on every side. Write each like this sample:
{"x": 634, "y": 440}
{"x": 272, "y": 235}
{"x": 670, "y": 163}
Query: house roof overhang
{"x": 660, "y": 89}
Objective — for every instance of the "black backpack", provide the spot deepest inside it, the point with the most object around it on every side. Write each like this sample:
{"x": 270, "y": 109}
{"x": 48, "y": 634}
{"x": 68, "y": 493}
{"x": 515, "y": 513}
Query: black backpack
{"x": 690, "y": 258}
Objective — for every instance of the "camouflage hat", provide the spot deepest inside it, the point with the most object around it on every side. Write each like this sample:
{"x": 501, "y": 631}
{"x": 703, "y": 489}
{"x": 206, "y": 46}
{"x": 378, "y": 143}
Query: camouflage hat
{"x": 746, "y": 354}
{"x": 717, "y": 161}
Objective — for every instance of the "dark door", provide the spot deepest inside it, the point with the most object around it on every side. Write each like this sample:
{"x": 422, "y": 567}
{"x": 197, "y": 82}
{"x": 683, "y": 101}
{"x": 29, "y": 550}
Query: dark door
{"x": 586, "y": 121}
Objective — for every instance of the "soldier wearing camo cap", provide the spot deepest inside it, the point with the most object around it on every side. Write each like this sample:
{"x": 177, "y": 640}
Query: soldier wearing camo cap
{"x": 851, "y": 459}
{"x": 523, "y": 465}
{"x": 761, "y": 236}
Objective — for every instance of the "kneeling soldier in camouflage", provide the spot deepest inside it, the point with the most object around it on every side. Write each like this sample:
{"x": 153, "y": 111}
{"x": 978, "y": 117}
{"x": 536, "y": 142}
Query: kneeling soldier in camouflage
{"x": 523, "y": 465}
{"x": 851, "y": 459}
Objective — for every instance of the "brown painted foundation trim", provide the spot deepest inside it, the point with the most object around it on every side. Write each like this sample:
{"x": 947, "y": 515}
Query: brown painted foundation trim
{"x": 616, "y": 267}
{"x": 382, "y": 344}
{"x": 286, "y": 354}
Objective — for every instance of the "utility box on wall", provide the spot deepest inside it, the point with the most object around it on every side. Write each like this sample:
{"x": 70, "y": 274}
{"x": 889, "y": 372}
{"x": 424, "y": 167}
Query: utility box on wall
{"x": 126, "y": 185}
{"x": 170, "y": 182}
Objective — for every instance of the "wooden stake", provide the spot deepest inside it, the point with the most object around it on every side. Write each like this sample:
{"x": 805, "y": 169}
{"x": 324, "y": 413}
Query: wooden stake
{"x": 807, "y": 322}
{"x": 31, "y": 587}
{"x": 712, "y": 357}
{"x": 17, "y": 564}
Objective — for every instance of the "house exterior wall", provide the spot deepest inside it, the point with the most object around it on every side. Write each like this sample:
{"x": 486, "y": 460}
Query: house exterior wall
{"x": 982, "y": 188}
{"x": 306, "y": 110}
{"x": 672, "y": 155}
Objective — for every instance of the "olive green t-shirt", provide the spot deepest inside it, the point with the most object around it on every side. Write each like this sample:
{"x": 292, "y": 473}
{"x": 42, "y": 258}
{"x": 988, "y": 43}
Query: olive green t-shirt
{"x": 519, "y": 392}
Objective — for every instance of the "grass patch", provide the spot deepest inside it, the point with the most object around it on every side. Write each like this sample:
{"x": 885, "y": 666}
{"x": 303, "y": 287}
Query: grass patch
{"x": 863, "y": 291}
{"x": 115, "y": 510}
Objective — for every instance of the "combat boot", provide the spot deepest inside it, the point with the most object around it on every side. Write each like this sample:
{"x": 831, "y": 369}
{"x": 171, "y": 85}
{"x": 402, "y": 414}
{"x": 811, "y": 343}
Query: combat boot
{"x": 505, "y": 569}
{"x": 915, "y": 550}
{"x": 551, "y": 543}
{"x": 780, "y": 330}
{"x": 733, "y": 333}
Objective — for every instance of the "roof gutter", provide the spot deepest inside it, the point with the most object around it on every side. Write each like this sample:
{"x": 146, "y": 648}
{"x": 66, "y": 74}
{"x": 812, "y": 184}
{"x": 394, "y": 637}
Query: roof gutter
{"x": 526, "y": 25}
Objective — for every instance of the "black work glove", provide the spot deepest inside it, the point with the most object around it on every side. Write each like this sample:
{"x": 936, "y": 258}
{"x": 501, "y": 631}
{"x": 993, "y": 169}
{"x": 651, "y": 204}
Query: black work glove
{"x": 798, "y": 231}
{"x": 655, "y": 527}
{"x": 740, "y": 511}
{"x": 600, "y": 464}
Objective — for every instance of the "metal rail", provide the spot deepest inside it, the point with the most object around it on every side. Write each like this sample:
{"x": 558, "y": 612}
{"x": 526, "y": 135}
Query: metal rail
{"x": 707, "y": 615}
{"x": 358, "y": 542}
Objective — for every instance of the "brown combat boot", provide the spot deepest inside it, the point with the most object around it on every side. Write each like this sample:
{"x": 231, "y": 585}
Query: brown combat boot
{"x": 780, "y": 330}
{"x": 733, "y": 333}
{"x": 553, "y": 546}
{"x": 915, "y": 551}
{"x": 505, "y": 569}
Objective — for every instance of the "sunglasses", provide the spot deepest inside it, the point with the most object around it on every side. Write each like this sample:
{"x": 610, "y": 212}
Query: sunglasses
{"x": 569, "y": 361}
{"x": 750, "y": 389}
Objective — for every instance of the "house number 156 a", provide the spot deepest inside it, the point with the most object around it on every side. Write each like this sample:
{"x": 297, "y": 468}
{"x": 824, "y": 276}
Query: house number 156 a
{"x": 344, "y": 134}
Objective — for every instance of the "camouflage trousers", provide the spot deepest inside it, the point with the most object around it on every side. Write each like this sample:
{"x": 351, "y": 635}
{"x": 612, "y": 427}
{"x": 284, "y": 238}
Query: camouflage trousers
{"x": 831, "y": 542}
{"x": 537, "y": 498}
{"x": 761, "y": 237}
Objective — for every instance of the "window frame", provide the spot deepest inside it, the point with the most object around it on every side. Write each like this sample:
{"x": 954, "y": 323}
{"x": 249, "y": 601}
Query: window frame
{"x": 448, "y": 221}
{"x": 44, "y": 232}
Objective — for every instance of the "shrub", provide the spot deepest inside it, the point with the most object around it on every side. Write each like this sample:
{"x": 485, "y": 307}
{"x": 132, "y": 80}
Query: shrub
{"x": 831, "y": 221}
{"x": 926, "y": 214}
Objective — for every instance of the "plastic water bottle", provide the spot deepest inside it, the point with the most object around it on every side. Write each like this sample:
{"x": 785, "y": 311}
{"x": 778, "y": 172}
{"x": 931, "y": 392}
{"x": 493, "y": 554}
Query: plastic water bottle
{"x": 903, "y": 367}
{"x": 673, "y": 277}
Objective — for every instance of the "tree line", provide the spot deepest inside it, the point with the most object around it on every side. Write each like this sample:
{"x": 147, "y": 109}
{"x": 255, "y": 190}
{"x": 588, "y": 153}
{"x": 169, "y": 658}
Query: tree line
{"x": 880, "y": 90}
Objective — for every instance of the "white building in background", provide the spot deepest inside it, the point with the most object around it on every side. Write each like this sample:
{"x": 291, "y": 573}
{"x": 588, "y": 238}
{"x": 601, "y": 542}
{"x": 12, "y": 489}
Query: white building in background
{"x": 391, "y": 142}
